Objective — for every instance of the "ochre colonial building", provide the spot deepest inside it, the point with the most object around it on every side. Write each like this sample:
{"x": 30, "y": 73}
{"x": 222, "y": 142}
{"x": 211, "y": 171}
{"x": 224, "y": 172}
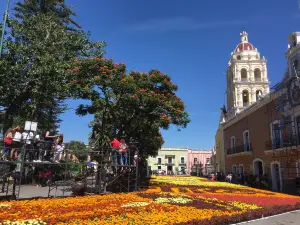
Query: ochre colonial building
{"x": 260, "y": 133}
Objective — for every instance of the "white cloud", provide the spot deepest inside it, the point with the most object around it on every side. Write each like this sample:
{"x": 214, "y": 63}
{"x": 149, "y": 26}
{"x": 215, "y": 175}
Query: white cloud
{"x": 181, "y": 23}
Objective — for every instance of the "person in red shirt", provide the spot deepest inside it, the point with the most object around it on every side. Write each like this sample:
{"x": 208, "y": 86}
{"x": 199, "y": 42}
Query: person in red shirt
{"x": 115, "y": 144}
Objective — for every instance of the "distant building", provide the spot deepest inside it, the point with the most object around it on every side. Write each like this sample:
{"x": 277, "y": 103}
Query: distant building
{"x": 198, "y": 161}
{"x": 170, "y": 160}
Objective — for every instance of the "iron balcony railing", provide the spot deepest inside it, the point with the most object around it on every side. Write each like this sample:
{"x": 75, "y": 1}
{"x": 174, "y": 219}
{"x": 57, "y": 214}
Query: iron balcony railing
{"x": 239, "y": 149}
{"x": 277, "y": 143}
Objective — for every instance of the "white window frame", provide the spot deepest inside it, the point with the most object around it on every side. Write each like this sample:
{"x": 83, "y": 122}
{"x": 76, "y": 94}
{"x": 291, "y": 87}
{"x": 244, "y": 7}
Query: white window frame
{"x": 241, "y": 165}
{"x": 158, "y": 167}
{"x": 171, "y": 160}
{"x": 280, "y": 175}
{"x": 271, "y": 132}
{"x": 232, "y": 170}
{"x": 295, "y": 126}
{"x": 233, "y": 138}
{"x": 206, "y": 161}
{"x": 196, "y": 160}
{"x": 244, "y": 139}
{"x": 183, "y": 160}
{"x": 263, "y": 165}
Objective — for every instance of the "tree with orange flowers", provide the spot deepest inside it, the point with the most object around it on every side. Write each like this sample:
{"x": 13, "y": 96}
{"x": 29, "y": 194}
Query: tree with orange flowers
{"x": 133, "y": 106}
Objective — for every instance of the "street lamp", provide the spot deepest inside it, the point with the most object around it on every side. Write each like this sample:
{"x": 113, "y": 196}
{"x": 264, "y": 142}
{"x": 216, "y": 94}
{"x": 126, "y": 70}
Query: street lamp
{"x": 3, "y": 27}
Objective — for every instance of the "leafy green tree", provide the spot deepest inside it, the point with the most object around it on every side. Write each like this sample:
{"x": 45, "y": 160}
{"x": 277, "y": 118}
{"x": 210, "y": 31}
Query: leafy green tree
{"x": 42, "y": 41}
{"x": 132, "y": 106}
{"x": 78, "y": 149}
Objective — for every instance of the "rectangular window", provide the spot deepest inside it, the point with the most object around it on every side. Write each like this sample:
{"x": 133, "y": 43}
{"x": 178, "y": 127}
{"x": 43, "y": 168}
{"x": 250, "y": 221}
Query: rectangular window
{"x": 159, "y": 167}
{"x": 182, "y": 160}
{"x": 158, "y": 160}
{"x": 234, "y": 169}
{"x": 241, "y": 170}
{"x": 170, "y": 160}
{"x": 195, "y": 160}
{"x": 233, "y": 144}
{"x": 246, "y": 141}
{"x": 276, "y": 135}
{"x": 207, "y": 160}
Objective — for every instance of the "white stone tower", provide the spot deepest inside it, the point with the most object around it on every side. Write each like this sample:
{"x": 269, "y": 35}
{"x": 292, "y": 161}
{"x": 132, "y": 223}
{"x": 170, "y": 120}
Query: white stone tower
{"x": 247, "y": 77}
{"x": 293, "y": 54}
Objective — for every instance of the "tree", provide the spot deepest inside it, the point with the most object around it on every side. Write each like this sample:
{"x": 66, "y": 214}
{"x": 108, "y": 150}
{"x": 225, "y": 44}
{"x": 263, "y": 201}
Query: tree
{"x": 132, "y": 106}
{"x": 42, "y": 42}
{"x": 78, "y": 149}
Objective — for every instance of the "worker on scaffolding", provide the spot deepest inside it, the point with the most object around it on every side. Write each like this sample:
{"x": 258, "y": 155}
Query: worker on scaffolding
{"x": 115, "y": 145}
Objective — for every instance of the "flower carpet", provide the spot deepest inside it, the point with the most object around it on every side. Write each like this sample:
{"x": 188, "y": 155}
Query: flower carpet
{"x": 169, "y": 200}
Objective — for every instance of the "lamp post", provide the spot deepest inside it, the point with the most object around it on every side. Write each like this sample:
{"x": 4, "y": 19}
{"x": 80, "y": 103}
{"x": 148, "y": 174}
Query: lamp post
{"x": 3, "y": 27}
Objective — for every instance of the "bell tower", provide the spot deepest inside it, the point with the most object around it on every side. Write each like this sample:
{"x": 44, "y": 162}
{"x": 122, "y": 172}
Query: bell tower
{"x": 247, "y": 77}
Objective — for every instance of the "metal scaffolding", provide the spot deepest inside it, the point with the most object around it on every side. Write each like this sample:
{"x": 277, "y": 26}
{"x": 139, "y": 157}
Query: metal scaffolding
{"x": 285, "y": 139}
{"x": 36, "y": 175}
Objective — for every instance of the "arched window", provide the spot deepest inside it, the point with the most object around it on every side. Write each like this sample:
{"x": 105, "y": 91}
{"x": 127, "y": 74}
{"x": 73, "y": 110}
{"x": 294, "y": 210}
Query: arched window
{"x": 296, "y": 64}
{"x": 258, "y": 167}
{"x": 238, "y": 57}
{"x": 234, "y": 169}
{"x": 257, "y": 75}
{"x": 241, "y": 168}
{"x": 258, "y": 94}
{"x": 295, "y": 67}
{"x": 244, "y": 74}
{"x": 245, "y": 98}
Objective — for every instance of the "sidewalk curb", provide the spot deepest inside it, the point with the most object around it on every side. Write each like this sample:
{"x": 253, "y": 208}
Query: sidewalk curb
{"x": 265, "y": 218}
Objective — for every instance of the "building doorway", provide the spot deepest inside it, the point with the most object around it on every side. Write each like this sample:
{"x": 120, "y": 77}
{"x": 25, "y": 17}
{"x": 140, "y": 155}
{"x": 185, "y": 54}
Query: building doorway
{"x": 258, "y": 167}
{"x": 169, "y": 170}
{"x": 276, "y": 178}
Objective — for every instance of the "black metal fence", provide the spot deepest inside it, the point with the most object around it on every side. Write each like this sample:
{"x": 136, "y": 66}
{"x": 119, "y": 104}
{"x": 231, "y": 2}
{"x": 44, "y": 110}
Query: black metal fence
{"x": 239, "y": 149}
{"x": 39, "y": 171}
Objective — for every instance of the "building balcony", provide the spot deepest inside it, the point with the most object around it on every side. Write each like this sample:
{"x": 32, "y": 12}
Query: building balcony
{"x": 197, "y": 165}
{"x": 169, "y": 163}
{"x": 279, "y": 143}
{"x": 244, "y": 80}
{"x": 158, "y": 163}
{"x": 182, "y": 164}
{"x": 240, "y": 150}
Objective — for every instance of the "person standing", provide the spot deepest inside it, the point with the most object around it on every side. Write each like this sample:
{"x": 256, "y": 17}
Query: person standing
{"x": 50, "y": 138}
{"x": 115, "y": 145}
{"x": 16, "y": 144}
{"x": 8, "y": 139}
{"x": 59, "y": 147}
{"x": 123, "y": 149}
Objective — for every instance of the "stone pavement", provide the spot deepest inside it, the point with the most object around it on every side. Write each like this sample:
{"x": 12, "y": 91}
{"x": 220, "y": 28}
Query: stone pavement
{"x": 33, "y": 191}
{"x": 283, "y": 219}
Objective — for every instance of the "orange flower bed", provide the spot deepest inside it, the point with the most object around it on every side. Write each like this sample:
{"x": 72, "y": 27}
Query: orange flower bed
{"x": 169, "y": 200}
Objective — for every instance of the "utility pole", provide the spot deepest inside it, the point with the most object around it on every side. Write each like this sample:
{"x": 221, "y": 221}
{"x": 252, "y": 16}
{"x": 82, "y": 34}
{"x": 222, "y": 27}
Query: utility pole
{"x": 3, "y": 27}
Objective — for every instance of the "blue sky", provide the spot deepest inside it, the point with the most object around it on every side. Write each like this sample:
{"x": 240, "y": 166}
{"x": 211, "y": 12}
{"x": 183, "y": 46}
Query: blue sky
{"x": 189, "y": 40}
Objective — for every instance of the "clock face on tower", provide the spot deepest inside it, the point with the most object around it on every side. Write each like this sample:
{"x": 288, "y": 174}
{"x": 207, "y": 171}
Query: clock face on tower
{"x": 294, "y": 91}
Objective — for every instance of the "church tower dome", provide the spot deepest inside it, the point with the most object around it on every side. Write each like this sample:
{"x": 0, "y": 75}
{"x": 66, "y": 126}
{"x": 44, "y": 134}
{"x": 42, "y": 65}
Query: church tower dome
{"x": 247, "y": 78}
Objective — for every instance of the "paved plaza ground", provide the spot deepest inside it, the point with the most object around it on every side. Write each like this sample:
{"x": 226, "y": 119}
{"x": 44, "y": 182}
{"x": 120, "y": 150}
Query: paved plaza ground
{"x": 292, "y": 218}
